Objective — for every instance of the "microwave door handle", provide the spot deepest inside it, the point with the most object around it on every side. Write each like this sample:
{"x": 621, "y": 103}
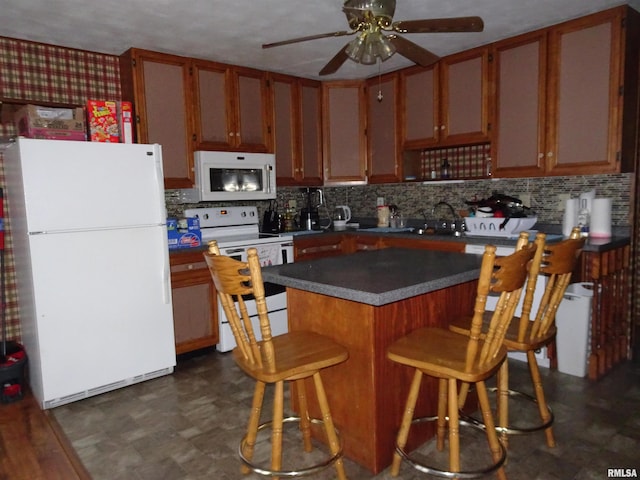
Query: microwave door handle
{"x": 269, "y": 169}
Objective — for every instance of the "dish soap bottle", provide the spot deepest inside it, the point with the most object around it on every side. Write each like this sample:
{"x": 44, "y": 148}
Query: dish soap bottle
{"x": 583, "y": 218}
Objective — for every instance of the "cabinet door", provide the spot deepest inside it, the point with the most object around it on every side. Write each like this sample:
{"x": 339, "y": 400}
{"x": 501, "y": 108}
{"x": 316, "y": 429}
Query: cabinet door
{"x": 382, "y": 130}
{"x": 285, "y": 113}
{"x": 520, "y": 116}
{"x": 252, "y": 124}
{"x": 297, "y": 130}
{"x": 157, "y": 84}
{"x": 420, "y": 103}
{"x": 583, "y": 126}
{"x": 465, "y": 97}
{"x": 344, "y": 135}
{"x": 213, "y": 107}
{"x": 311, "y": 131}
{"x": 194, "y": 303}
{"x": 317, "y": 246}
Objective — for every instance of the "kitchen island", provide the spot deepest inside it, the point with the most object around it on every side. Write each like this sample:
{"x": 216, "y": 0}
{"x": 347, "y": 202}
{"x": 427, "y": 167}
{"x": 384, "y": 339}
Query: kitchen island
{"x": 366, "y": 301}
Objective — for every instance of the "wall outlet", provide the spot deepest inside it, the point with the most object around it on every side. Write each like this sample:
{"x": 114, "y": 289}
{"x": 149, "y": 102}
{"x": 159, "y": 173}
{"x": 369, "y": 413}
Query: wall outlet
{"x": 525, "y": 198}
{"x": 562, "y": 201}
{"x": 292, "y": 204}
{"x": 379, "y": 201}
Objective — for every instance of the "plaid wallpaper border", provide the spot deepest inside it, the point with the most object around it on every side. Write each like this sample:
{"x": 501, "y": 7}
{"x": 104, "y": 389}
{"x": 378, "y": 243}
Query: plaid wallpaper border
{"x": 34, "y": 73}
{"x": 48, "y": 73}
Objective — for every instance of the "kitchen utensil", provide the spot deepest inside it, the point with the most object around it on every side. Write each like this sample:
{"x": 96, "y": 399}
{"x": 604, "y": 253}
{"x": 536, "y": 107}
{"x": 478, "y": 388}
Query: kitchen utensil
{"x": 271, "y": 219}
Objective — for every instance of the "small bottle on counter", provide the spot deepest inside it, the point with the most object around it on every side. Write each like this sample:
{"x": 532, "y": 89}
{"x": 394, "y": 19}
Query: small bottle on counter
{"x": 583, "y": 218}
{"x": 445, "y": 169}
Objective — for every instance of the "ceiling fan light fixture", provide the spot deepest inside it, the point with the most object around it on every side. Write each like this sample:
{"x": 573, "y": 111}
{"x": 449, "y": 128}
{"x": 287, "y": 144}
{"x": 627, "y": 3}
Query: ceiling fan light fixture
{"x": 386, "y": 49}
{"x": 355, "y": 49}
{"x": 370, "y": 51}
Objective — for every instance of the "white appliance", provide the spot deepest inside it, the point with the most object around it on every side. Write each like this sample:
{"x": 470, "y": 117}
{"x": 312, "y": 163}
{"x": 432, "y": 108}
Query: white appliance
{"x": 88, "y": 225}
{"x": 236, "y": 230}
{"x": 222, "y": 176}
{"x": 492, "y": 300}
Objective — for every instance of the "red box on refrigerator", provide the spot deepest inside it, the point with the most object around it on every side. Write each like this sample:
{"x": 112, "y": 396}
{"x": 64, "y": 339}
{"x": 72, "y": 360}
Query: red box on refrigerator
{"x": 103, "y": 121}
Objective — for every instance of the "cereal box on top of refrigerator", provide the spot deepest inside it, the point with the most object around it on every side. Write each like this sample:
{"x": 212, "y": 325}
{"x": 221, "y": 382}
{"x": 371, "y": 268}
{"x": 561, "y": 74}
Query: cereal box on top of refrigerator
{"x": 103, "y": 121}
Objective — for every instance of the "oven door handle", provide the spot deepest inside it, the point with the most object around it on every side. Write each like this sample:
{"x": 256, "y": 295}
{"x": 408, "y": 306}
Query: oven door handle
{"x": 228, "y": 251}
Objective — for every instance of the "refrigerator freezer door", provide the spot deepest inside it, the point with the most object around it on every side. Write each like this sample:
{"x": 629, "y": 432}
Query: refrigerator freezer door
{"x": 83, "y": 185}
{"x": 102, "y": 311}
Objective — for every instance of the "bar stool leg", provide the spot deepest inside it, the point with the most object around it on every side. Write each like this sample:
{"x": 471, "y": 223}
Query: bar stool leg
{"x": 442, "y": 413}
{"x": 539, "y": 392}
{"x": 304, "y": 415}
{"x": 407, "y": 417}
{"x": 503, "y": 401}
{"x": 276, "y": 433}
{"x": 254, "y": 421}
{"x": 454, "y": 427}
{"x": 332, "y": 437}
{"x": 492, "y": 436}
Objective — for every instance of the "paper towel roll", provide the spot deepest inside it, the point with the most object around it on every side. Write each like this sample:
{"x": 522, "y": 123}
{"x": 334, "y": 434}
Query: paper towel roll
{"x": 600, "y": 218}
{"x": 570, "y": 218}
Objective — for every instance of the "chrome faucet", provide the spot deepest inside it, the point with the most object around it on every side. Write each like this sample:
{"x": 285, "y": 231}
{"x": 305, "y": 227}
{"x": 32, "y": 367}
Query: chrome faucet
{"x": 448, "y": 205}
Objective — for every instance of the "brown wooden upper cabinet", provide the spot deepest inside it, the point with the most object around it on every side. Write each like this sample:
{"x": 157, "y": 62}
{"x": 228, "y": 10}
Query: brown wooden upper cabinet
{"x": 297, "y": 122}
{"x": 383, "y": 132}
{"x": 158, "y": 85}
{"x": 448, "y": 102}
{"x": 563, "y": 95}
{"x": 344, "y": 117}
{"x": 231, "y": 108}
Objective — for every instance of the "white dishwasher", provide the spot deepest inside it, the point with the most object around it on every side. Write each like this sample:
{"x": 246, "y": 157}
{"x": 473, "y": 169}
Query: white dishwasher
{"x": 541, "y": 355}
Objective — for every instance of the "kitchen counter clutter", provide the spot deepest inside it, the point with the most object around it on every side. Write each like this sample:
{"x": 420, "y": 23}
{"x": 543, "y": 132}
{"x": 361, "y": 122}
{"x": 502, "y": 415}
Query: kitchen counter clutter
{"x": 378, "y": 277}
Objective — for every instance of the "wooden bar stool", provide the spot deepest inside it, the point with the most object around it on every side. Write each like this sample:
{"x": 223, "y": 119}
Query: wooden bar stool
{"x": 291, "y": 357}
{"x": 557, "y": 262}
{"x": 452, "y": 357}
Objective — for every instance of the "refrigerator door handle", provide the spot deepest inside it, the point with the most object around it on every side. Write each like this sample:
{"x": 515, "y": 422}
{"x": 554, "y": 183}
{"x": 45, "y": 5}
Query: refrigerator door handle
{"x": 159, "y": 173}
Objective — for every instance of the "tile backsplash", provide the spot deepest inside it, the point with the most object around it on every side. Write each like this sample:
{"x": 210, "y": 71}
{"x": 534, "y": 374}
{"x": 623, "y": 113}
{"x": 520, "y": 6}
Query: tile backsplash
{"x": 413, "y": 198}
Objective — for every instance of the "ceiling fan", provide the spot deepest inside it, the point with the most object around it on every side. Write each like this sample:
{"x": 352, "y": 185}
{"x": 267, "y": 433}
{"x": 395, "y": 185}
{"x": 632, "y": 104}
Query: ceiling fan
{"x": 369, "y": 19}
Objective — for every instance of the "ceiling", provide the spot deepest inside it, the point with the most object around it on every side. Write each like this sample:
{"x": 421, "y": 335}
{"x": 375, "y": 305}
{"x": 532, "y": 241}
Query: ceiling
{"x": 233, "y": 31}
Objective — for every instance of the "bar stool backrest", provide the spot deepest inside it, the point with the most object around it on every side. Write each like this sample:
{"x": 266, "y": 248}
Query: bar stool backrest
{"x": 233, "y": 279}
{"x": 506, "y": 276}
{"x": 557, "y": 262}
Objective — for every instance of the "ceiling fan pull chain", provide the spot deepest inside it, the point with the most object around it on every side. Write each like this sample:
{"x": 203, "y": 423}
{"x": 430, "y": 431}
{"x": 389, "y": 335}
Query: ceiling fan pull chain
{"x": 380, "y": 97}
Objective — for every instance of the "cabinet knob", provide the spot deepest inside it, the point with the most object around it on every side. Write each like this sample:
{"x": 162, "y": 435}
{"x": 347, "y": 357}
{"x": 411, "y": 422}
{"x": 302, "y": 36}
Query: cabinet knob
{"x": 190, "y": 266}
{"x": 549, "y": 154}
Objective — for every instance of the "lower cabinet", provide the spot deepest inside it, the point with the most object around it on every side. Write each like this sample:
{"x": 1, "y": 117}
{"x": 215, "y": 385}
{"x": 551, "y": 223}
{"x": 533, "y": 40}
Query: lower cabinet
{"x": 326, "y": 245}
{"x": 318, "y": 245}
{"x": 195, "y": 315}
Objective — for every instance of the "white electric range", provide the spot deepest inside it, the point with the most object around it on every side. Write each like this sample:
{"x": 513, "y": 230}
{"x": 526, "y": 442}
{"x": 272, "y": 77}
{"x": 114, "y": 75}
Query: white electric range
{"x": 236, "y": 229}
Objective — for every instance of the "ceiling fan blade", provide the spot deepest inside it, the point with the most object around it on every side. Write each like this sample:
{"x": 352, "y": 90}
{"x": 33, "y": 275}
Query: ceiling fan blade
{"x": 439, "y": 25}
{"x": 336, "y": 62}
{"x": 310, "y": 37}
{"x": 412, "y": 51}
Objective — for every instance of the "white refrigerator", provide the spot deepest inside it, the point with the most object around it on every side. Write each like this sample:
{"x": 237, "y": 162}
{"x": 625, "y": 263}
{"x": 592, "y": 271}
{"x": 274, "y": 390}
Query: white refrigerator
{"x": 88, "y": 226}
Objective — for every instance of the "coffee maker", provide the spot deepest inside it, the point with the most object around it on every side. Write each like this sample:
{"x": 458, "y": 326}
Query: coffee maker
{"x": 309, "y": 215}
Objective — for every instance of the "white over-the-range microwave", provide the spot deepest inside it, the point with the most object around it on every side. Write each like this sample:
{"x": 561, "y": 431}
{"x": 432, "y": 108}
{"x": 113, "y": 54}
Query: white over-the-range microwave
{"x": 228, "y": 176}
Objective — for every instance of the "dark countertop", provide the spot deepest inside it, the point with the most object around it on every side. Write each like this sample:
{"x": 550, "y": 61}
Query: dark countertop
{"x": 378, "y": 277}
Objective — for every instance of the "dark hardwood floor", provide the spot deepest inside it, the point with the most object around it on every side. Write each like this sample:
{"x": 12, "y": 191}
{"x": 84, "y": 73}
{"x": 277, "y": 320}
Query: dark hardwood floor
{"x": 32, "y": 445}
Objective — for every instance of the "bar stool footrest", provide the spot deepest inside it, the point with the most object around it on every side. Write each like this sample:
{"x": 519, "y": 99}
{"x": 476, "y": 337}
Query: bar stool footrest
{"x": 430, "y": 470}
{"x": 260, "y": 470}
{"x": 514, "y": 429}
